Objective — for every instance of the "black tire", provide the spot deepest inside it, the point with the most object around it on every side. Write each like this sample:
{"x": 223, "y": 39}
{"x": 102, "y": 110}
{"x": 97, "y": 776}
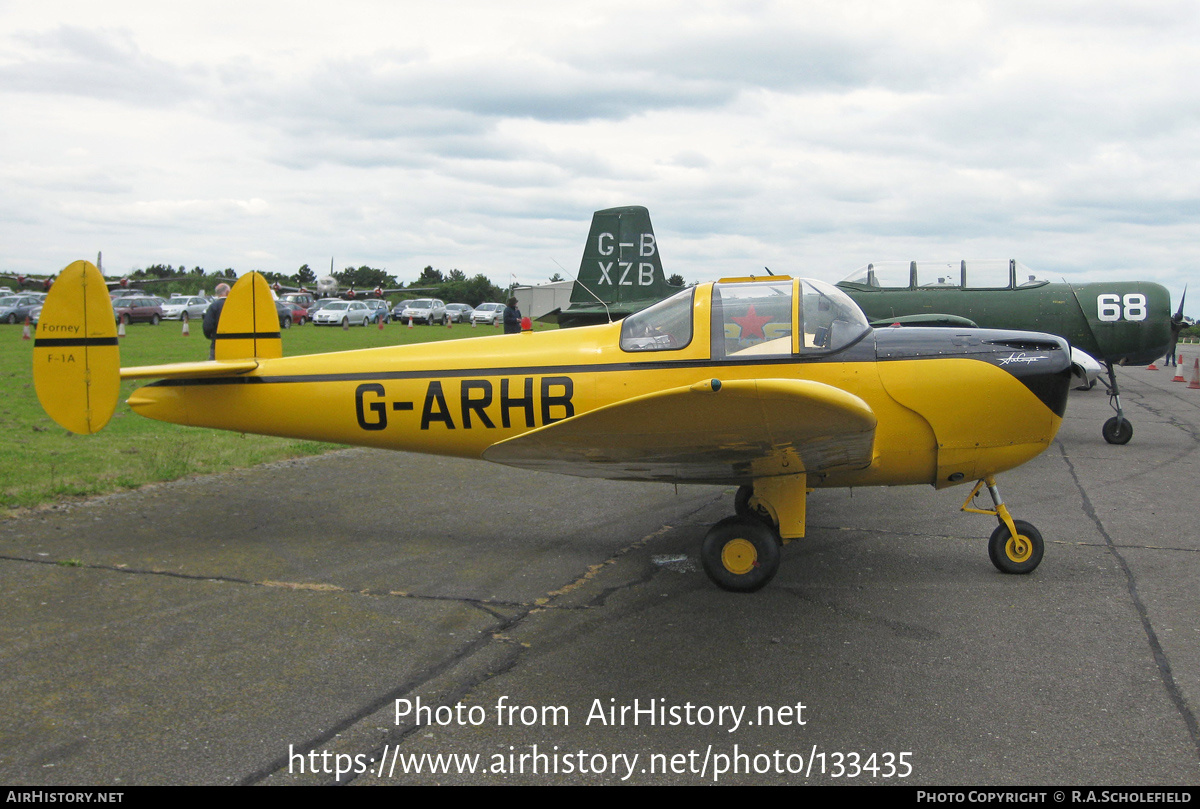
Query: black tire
{"x": 1018, "y": 556}
{"x": 12, "y": 320}
{"x": 287, "y": 323}
{"x": 125, "y": 319}
{"x": 154, "y": 320}
{"x": 1117, "y": 431}
{"x": 345, "y": 323}
{"x": 740, "y": 554}
{"x": 741, "y": 505}
{"x": 366, "y": 321}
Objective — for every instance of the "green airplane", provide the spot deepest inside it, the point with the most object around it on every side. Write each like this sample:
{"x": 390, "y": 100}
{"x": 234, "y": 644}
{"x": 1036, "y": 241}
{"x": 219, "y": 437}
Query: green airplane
{"x": 1115, "y": 322}
{"x": 620, "y": 273}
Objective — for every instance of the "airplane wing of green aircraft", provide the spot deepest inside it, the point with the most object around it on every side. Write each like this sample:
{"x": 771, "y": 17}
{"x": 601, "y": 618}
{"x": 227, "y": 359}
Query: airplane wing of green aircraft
{"x": 1116, "y": 322}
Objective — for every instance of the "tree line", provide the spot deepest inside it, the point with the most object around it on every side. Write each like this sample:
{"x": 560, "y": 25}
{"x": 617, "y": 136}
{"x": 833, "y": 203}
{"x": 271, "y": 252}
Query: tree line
{"x": 452, "y": 287}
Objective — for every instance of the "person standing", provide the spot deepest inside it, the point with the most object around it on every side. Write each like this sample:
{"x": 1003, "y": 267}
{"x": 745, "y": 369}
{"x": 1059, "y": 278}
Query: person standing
{"x": 512, "y": 317}
{"x": 212, "y": 318}
{"x": 1177, "y": 326}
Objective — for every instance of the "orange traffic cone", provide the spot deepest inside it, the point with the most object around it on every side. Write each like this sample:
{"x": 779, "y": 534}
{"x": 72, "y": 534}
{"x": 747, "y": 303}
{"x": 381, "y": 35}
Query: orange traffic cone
{"x": 1178, "y": 373}
{"x": 25, "y": 331}
{"x": 381, "y": 324}
{"x": 449, "y": 323}
{"x": 1195, "y": 383}
{"x": 410, "y": 321}
{"x": 1151, "y": 367}
{"x": 186, "y": 331}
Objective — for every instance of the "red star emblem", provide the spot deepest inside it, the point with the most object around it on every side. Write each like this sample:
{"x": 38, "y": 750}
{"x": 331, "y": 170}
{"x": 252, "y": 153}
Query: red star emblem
{"x": 752, "y": 324}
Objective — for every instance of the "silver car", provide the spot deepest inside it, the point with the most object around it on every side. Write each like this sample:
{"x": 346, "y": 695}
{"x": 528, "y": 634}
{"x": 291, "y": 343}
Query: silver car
{"x": 488, "y": 313}
{"x": 343, "y": 313}
{"x": 185, "y": 307}
{"x": 459, "y": 312}
{"x": 425, "y": 310}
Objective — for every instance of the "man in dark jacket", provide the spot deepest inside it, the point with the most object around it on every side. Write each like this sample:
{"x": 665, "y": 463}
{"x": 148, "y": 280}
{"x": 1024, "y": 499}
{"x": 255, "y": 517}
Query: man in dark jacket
{"x": 212, "y": 317}
{"x": 512, "y": 317}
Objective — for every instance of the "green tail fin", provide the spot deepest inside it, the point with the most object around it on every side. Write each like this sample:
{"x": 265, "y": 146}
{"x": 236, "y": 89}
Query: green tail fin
{"x": 76, "y": 361}
{"x": 249, "y": 325}
{"x": 621, "y": 266}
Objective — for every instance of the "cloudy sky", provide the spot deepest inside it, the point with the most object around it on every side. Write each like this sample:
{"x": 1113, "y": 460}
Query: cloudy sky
{"x": 811, "y": 137}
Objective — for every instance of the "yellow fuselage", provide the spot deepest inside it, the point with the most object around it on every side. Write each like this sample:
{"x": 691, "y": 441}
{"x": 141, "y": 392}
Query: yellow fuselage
{"x": 940, "y": 420}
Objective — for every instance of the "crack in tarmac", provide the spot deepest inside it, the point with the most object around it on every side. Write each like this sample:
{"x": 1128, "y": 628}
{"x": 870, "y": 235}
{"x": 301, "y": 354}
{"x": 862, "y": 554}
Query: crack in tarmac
{"x": 1162, "y": 662}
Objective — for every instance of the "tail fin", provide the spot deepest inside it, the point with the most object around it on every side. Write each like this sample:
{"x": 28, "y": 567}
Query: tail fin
{"x": 249, "y": 325}
{"x": 621, "y": 266}
{"x": 76, "y": 361}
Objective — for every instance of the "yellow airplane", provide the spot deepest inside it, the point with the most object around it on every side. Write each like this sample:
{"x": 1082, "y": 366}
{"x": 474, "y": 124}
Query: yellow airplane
{"x": 776, "y": 385}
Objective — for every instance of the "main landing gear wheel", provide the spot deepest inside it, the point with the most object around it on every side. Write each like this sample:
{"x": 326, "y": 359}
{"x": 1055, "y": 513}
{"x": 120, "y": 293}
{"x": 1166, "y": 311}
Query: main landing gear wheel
{"x": 740, "y": 554}
{"x": 1019, "y": 554}
{"x": 1117, "y": 430}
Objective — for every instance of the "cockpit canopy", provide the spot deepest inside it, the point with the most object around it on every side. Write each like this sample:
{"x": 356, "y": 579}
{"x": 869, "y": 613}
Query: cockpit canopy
{"x": 751, "y": 318}
{"x": 986, "y": 274}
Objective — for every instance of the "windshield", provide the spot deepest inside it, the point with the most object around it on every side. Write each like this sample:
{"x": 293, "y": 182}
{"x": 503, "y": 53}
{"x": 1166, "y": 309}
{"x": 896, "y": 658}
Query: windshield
{"x": 337, "y": 305}
{"x": 665, "y": 326}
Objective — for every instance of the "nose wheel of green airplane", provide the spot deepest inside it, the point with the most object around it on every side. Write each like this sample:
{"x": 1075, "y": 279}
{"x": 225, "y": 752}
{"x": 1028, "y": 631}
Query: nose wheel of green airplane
{"x": 1117, "y": 431}
{"x": 741, "y": 554}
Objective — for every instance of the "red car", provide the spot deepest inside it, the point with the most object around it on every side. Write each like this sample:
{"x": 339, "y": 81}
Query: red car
{"x": 132, "y": 309}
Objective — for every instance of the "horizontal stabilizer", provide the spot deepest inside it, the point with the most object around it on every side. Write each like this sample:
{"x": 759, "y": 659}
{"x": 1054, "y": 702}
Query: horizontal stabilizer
{"x": 710, "y": 431}
{"x": 190, "y": 370}
{"x": 76, "y": 360}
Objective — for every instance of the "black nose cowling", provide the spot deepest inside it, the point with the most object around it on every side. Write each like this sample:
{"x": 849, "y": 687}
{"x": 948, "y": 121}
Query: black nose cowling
{"x": 1042, "y": 362}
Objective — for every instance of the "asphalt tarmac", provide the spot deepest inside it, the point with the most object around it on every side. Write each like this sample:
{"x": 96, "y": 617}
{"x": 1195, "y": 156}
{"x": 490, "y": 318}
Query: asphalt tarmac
{"x": 376, "y": 613}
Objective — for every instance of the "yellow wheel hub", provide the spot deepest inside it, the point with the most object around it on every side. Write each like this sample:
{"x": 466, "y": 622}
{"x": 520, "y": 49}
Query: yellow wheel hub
{"x": 1018, "y": 548}
{"x": 739, "y": 557}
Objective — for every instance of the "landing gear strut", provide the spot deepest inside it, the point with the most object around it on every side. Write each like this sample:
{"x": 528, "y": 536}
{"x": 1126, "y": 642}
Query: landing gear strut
{"x": 1117, "y": 430}
{"x": 1015, "y": 546}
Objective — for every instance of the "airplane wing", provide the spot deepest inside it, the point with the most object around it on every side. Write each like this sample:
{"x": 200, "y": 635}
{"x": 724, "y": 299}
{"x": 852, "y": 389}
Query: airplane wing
{"x": 711, "y": 431}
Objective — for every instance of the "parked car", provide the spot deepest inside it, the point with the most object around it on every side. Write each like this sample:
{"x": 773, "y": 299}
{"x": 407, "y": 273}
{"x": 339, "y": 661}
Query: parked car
{"x": 488, "y": 313}
{"x": 15, "y": 308}
{"x": 304, "y": 299}
{"x": 379, "y": 310}
{"x": 336, "y": 313}
{"x": 459, "y": 312}
{"x": 185, "y": 307}
{"x": 425, "y": 310}
{"x": 296, "y": 311}
{"x": 132, "y": 309}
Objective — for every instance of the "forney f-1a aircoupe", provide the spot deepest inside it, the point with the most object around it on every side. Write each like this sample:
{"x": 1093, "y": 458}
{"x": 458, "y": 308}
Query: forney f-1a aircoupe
{"x": 775, "y": 385}
{"x": 1116, "y": 322}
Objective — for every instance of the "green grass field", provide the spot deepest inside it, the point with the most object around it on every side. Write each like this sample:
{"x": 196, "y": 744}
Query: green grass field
{"x": 43, "y": 463}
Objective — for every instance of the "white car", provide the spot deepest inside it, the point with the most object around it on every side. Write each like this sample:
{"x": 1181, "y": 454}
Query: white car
{"x": 339, "y": 313}
{"x": 488, "y": 313}
{"x": 185, "y": 307}
{"x": 425, "y": 310}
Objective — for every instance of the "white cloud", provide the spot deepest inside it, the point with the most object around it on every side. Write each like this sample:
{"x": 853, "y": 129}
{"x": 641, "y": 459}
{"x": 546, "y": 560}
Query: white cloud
{"x": 810, "y": 137}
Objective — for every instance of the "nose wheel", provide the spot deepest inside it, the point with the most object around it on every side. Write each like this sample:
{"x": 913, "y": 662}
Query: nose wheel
{"x": 1015, "y": 546}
